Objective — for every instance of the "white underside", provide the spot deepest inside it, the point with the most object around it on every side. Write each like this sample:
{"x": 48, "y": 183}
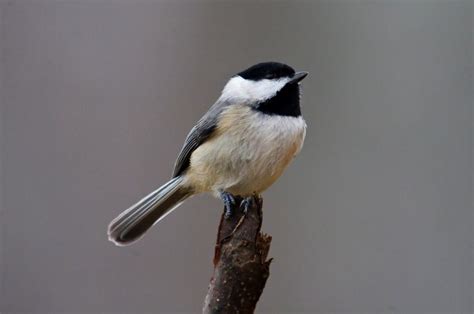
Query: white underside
{"x": 247, "y": 155}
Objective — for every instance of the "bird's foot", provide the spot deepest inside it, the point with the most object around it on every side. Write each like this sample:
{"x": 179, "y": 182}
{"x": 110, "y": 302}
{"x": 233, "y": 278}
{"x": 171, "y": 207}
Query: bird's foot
{"x": 229, "y": 203}
{"x": 250, "y": 201}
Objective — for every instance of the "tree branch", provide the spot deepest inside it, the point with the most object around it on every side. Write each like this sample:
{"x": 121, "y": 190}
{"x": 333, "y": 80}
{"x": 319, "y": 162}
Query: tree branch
{"x": 241, "y": 268}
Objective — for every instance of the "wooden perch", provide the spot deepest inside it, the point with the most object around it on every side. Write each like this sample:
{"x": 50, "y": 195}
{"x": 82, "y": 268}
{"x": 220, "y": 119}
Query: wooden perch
{"x": 241, "y": 268}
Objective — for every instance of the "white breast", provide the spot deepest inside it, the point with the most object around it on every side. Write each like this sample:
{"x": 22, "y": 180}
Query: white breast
{"x": 248, "y": 153}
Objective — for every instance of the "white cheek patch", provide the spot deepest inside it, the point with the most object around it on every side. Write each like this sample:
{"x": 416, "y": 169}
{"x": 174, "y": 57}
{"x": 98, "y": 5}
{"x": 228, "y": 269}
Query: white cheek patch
{"x": 241, "y": 90}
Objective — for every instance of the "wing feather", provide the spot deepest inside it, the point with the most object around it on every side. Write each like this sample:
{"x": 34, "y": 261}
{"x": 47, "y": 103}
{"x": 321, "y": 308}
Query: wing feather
{"x": 203, "y": 130}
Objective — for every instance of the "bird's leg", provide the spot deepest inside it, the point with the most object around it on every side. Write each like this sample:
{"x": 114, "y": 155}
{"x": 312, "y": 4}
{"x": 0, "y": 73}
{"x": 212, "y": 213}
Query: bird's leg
{"x": 249, "y": 201}
{"x": 229, "y": 202}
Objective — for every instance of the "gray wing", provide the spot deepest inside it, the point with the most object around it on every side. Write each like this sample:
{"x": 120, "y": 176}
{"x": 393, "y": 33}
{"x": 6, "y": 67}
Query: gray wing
{"x": 198, "y": 135}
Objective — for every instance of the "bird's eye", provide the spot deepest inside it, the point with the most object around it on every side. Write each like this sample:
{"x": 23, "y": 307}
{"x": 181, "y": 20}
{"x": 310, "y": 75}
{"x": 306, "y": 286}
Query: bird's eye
{"x": 269, "y": 76}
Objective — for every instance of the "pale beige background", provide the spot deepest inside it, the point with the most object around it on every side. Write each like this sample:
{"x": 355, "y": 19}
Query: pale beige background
{"x": 97, "y": 97}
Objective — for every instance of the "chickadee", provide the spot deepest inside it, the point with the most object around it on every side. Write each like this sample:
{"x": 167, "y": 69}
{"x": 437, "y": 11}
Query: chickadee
{"x": 239, "y": 147}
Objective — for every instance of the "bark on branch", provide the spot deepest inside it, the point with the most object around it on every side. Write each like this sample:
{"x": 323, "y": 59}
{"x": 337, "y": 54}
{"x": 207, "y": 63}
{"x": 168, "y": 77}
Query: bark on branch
{"x": 241, "y": 267}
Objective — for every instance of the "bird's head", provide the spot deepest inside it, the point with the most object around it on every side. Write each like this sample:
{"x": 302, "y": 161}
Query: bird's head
{"x": 270, "y": 87}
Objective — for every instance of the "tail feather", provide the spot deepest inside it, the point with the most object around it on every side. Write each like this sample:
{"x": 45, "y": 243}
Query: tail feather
{"x": 130, "y": 225}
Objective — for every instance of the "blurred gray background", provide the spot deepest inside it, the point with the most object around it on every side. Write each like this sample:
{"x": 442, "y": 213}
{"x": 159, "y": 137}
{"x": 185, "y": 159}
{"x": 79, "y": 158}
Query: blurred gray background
{"x": 97, "y": 97}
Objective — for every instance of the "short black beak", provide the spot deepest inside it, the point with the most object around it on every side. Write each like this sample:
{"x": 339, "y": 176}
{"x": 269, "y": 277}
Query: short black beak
{"x": 298, "y": 77}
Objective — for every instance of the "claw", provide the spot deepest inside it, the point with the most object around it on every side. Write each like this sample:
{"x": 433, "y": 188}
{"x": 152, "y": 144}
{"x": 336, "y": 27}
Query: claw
{"x": 229, "y": 202}
{"x": 247, "y": 203}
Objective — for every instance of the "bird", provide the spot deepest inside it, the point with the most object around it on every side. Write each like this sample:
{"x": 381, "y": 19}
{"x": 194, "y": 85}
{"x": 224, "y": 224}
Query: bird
{"x": 240, "y": 147}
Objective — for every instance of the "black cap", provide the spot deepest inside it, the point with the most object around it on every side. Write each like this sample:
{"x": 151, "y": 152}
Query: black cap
{"x": 267, "y": 70}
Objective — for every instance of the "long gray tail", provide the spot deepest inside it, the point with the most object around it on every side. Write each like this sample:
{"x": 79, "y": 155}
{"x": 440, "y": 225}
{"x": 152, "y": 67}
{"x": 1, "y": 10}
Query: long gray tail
{"x": 130, "y": 225}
